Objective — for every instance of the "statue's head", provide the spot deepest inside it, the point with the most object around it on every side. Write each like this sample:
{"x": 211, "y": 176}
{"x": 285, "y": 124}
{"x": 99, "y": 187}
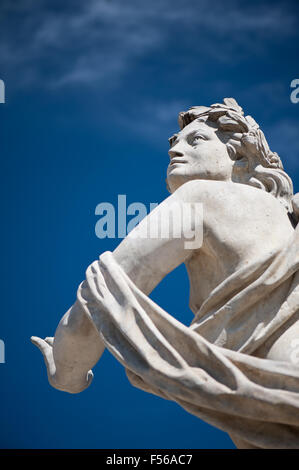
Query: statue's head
{"x": 220, "y": 143}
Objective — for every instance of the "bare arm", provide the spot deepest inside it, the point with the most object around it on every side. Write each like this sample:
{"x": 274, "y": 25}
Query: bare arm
{"x": 154, "y": 248}
{"x": 159, "y": 243}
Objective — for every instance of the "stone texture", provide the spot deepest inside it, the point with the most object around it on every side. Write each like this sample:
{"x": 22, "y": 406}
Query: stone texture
{"x": 235, "y": 366}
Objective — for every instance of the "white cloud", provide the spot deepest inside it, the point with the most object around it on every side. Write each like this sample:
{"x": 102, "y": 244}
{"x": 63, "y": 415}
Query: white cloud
{"x": 101, "y": 40}
{"x": 154, "y": 120}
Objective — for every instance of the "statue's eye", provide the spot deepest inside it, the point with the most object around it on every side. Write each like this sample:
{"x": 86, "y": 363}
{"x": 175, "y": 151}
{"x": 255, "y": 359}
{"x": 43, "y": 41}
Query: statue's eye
{"x": 172, "y": 140}
{"x": 197, "y": 139}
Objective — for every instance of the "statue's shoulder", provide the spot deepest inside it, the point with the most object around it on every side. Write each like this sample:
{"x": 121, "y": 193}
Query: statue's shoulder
{"x": 238, "y": 203}
{"x": 224, "y": 193}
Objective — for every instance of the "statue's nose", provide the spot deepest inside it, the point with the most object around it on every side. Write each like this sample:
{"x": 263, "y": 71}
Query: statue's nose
{"x": 174, "y": 152}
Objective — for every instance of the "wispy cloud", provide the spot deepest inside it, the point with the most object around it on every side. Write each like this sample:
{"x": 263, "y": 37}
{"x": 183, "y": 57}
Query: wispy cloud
{"x": 154, "y": 120}
{"x": 101, "y": 40}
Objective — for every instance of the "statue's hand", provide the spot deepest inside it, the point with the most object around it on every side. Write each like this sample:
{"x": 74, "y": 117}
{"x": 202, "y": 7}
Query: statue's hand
{"x": 71, "y": 385}
{"x": 46, "y": 348}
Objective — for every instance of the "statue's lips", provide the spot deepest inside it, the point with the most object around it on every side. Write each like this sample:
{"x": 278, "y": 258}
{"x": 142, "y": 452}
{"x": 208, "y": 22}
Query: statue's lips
{"x": 176, "y": 160}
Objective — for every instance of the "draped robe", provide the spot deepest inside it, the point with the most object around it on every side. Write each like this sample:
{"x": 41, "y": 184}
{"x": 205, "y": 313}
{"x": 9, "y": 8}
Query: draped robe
{"x": 209, "y": 368}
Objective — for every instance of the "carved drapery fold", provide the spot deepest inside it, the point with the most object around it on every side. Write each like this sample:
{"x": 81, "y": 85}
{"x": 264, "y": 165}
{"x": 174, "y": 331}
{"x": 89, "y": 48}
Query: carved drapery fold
{"x": 255, "y": 400}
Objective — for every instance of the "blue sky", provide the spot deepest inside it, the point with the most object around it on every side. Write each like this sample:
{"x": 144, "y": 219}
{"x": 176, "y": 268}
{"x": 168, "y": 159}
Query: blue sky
{"x": 93, "y": 90}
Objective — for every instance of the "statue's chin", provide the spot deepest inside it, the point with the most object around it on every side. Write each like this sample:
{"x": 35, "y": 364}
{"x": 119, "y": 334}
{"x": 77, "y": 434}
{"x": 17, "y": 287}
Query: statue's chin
{"x": 175, "y": 181}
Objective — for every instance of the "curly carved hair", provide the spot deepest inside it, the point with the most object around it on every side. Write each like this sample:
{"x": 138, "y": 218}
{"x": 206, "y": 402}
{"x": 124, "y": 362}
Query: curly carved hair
{"x": 247, "y": 146}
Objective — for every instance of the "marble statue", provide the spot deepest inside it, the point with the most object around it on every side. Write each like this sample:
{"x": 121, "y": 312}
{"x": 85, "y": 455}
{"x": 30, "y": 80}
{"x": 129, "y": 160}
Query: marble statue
{"x": 235, "y": 366}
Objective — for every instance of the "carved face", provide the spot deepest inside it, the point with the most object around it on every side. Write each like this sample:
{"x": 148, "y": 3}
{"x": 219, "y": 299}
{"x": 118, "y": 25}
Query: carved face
{"x": 197, "y": 152}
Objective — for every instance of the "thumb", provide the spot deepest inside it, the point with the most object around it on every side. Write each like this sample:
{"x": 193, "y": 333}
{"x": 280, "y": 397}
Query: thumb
{"x": 46, "y": 351}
